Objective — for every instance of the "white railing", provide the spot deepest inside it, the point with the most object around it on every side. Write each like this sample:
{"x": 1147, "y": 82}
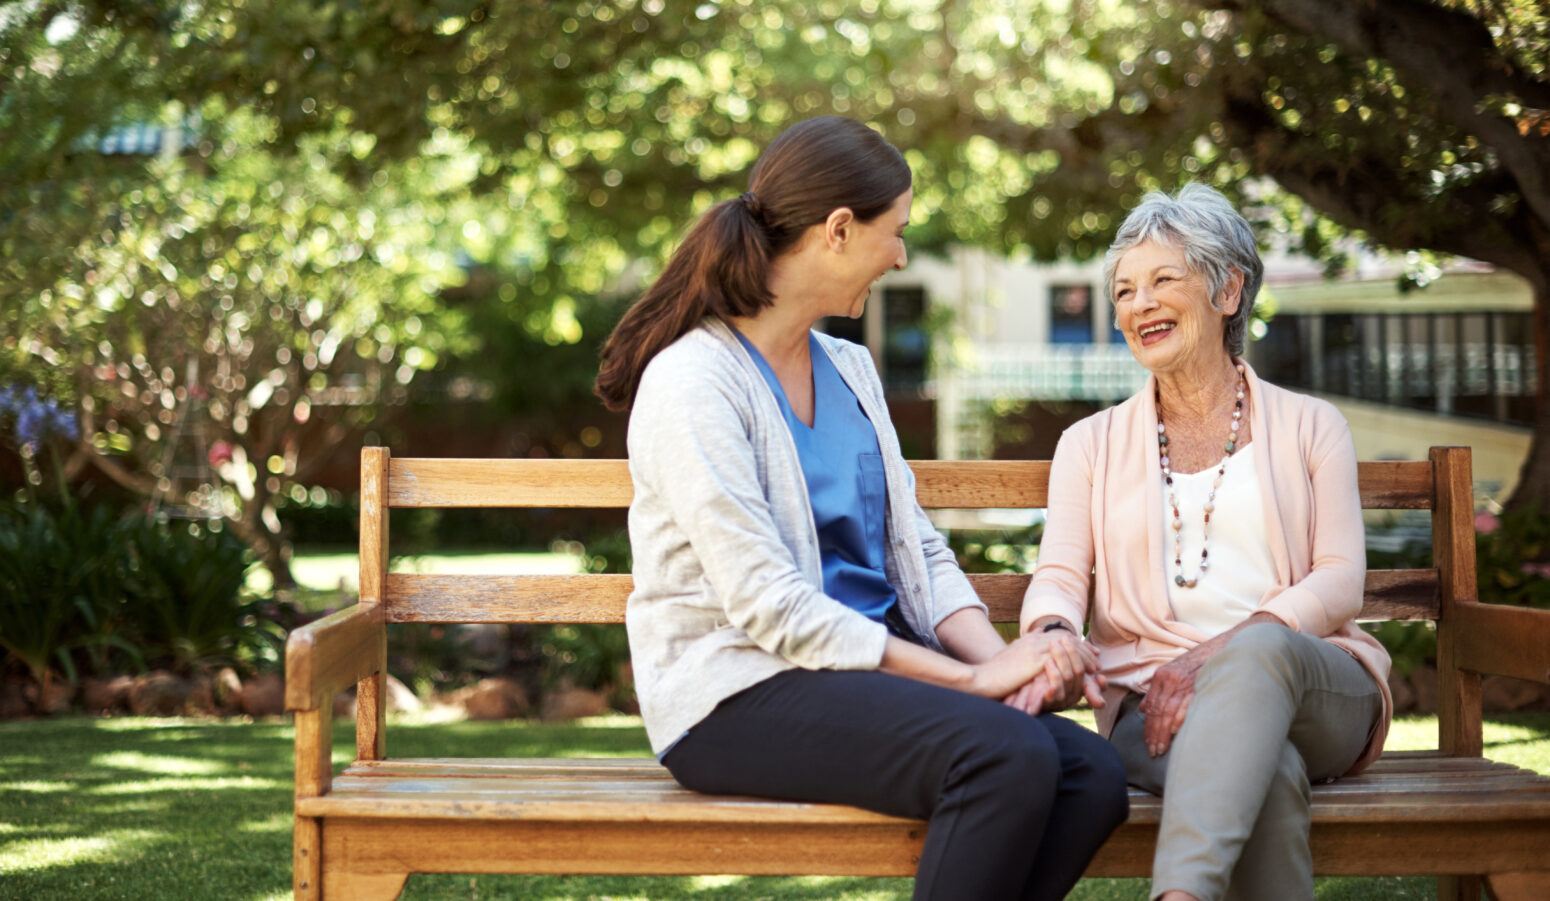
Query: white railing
{"x": 1091, "y": 372}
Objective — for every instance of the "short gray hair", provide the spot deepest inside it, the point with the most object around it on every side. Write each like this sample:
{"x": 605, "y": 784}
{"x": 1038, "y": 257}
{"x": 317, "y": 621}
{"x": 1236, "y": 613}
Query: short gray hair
{"x": 1215, "y": 240}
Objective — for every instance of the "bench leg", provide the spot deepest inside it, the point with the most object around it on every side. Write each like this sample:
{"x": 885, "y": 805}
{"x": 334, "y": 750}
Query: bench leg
{"x": 1524, "y": 886}
{"x": 362, "y": 886}
{"x": 1459, "y": 888}
{"x": 308, "y": 859}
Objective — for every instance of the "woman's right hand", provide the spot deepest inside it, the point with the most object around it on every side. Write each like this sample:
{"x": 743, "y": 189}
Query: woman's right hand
{"x": 1061, "y": 658}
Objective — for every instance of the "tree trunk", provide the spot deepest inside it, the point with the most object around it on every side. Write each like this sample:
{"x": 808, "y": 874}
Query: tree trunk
{"x": 1533, "y": 488}
{"x": 269, "y": 546}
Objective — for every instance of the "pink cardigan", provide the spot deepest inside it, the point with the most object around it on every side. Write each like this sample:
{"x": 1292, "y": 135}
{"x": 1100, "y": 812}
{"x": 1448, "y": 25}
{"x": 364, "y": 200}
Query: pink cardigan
{"x": 1108, "y": 464}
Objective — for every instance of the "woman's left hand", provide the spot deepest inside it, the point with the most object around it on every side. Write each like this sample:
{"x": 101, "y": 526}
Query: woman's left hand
{"x": 1167, "y": 700}
{"x": 1173, "y": 686}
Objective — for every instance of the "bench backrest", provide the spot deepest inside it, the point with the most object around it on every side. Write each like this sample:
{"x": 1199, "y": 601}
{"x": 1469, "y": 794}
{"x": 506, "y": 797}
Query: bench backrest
{"x": 1440, "y": 484}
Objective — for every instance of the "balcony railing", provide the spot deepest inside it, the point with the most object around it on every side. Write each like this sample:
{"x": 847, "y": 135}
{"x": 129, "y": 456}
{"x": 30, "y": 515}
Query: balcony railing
{"x": 1087, "y": 372}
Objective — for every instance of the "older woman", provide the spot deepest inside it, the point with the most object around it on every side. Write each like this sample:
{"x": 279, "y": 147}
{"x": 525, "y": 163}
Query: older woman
{"x": 1217, "y": 520}
{"x": 799, "y": 630}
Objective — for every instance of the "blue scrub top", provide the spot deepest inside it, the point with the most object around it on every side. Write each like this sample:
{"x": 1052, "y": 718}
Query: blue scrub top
{"x": 843, "y": 467}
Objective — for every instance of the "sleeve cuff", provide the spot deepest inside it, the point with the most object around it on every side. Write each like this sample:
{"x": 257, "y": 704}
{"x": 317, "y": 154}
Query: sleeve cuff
{"x": 1299, "y": 609}
{"x": 1037, "y": 606}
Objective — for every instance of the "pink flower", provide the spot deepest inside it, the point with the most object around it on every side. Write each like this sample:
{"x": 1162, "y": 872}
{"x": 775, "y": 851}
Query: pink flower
{"x": 220, "y": 452}
{"x": 1486, "y": 522}
{"x": 1541, "y": 569}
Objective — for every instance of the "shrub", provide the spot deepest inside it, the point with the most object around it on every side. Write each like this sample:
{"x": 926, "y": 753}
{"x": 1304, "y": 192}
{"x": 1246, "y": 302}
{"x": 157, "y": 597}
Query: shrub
{"x": 59, "y": 588}
{"x": 183, "y": 597}
{"x": 84, "y": 589}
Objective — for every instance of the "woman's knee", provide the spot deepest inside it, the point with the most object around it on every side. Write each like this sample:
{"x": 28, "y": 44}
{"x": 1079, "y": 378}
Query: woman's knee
{"x": 1260, "y": 647}
{"x": 1016, "y": 762}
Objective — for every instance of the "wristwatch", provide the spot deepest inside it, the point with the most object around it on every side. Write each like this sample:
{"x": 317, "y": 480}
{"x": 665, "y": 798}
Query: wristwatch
{"x": 1057, "y": 624}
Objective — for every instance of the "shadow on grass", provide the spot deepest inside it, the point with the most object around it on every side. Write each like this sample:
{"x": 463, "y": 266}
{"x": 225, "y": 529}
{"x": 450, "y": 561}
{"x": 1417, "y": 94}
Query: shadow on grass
{"x": 172, "y": 809}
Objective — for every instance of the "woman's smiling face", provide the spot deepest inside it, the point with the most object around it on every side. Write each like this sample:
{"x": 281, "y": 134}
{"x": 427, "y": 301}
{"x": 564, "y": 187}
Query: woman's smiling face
{"x": 875, "y": 249}
{"x": 1164, "y": 307}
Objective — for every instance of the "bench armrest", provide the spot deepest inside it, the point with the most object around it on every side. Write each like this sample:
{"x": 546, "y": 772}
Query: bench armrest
{"x": 326, "y": 657}
{"x": 1498, "y": 640}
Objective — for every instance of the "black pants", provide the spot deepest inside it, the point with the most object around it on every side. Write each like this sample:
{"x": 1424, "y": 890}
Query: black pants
{"x": 1017, "y": 804}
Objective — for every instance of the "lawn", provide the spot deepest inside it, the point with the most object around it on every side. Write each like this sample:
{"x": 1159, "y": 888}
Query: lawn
{"x": 136, "y": 808}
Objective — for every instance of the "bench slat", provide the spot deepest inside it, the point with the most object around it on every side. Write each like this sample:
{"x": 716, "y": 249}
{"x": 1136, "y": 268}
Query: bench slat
{"x": 939, "y": 484}
{"x": 360, "y": 849}
{"x": 415, "y": 597}
{"x": 641, "y": 790}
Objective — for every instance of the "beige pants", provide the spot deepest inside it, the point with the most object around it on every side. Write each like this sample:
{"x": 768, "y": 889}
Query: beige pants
{"x": 1272, "y": 710}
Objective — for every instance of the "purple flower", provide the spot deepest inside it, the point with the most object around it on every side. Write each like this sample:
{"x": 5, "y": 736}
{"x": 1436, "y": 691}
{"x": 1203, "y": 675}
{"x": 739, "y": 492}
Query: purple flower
{"x": 38, "y": 420}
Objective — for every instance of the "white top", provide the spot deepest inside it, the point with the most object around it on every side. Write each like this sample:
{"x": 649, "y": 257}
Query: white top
{"x": 1242, "y": 569}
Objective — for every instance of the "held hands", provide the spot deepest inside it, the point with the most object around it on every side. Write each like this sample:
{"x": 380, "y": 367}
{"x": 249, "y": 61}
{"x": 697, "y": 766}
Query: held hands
{"x": 1039, "y": 668}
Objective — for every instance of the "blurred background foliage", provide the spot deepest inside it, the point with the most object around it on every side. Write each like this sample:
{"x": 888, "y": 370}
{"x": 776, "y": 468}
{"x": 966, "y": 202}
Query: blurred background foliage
{"x": 239, "y": 239}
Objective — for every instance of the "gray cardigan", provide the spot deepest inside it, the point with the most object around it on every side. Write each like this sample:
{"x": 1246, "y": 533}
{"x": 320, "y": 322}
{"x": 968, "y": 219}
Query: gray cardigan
{"x": 728, "y": 578}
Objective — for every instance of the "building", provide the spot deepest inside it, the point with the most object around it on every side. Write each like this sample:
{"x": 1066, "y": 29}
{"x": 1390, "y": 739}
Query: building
{"x": 1006, "y": 353}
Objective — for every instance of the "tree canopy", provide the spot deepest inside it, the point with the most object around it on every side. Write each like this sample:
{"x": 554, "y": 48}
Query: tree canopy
{"x": 276, "y": 277}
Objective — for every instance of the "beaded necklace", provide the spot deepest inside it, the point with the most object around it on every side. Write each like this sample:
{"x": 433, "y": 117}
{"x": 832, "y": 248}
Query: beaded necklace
{"x": 1173, "y": 497}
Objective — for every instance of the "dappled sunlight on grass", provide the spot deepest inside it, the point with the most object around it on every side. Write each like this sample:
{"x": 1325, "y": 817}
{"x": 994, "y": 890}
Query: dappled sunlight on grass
{"x": 280, "y": 822}
{"x": 133, "y": 787}
{"x": 174, "y": 808}
{"x": 158, "y": 764}
{"x": 48, "y": 853}
{"x": 39, "y": 787}
{"x": 341, "y": 571}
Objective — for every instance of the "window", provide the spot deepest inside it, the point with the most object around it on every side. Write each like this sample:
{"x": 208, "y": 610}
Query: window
{"x": 1479, "y": 364}
{"x": 895, "y": 320}
{"x": 906, "y": 345}
{"x": 1071, "y": 314}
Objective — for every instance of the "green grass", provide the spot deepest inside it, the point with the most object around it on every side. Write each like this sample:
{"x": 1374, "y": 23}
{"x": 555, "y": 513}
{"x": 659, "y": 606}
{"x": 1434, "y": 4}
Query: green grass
{"x": 138, "y": 808}
{"x": 331, "y": 579}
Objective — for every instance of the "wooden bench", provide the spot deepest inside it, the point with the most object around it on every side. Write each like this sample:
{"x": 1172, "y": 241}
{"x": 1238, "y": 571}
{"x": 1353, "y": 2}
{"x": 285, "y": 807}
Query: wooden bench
{"x": 359, "y": 834}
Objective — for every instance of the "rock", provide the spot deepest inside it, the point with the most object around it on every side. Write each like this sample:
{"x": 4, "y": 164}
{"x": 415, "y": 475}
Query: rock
{"x": 52, "y": 697}
{"x": 400, "y": 699}
{"x": 574, "y": 703}
{"x": 1424, "y": 680}
{"x": 1404, "y": 695}
{"x": 344, "y": 705}
{"x": 106, "y": 696}
{"x": 623, "y": 696}
{"x": 201, "y": 700}
{"x": 158, "y": 693}
{"x": 13, "y": 699}
{"x": 263, "y": 695}
{"x": 228, "y": 690}
{"x": 484, "y": 647}
{"x": 493, "y": 699}
{"x": 1499, "y": 694}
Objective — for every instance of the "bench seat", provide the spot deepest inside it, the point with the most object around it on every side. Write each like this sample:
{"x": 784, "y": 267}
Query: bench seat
{"x": 1452, "y": 807}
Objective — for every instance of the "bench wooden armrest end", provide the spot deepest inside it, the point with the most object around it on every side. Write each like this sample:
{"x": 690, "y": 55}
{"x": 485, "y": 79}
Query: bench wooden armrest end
{"x": 1498, "y": 640}
{"x": 328, "y": 656}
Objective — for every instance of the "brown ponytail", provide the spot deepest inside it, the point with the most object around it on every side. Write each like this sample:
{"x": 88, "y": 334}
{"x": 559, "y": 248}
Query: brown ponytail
{"x": 722, "y": 268}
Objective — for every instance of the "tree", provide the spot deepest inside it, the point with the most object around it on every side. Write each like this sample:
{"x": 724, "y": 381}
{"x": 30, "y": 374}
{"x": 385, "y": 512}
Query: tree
{"x": 1413, "y": 125}
{"x": 1426, "y": 127}
{"x": 363, "y": 156}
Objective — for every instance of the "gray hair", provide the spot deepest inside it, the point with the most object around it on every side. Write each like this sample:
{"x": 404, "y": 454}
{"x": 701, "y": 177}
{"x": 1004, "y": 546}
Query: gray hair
{"x": 1215, "y": 239}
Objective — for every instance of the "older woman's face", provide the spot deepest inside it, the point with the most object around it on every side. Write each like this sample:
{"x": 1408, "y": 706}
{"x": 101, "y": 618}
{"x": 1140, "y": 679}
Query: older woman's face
{"x": 1164, "y": 308}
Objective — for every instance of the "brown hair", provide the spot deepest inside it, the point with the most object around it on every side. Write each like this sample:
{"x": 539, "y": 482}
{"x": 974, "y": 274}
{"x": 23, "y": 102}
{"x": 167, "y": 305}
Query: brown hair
{"x": 722, "y": 267}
